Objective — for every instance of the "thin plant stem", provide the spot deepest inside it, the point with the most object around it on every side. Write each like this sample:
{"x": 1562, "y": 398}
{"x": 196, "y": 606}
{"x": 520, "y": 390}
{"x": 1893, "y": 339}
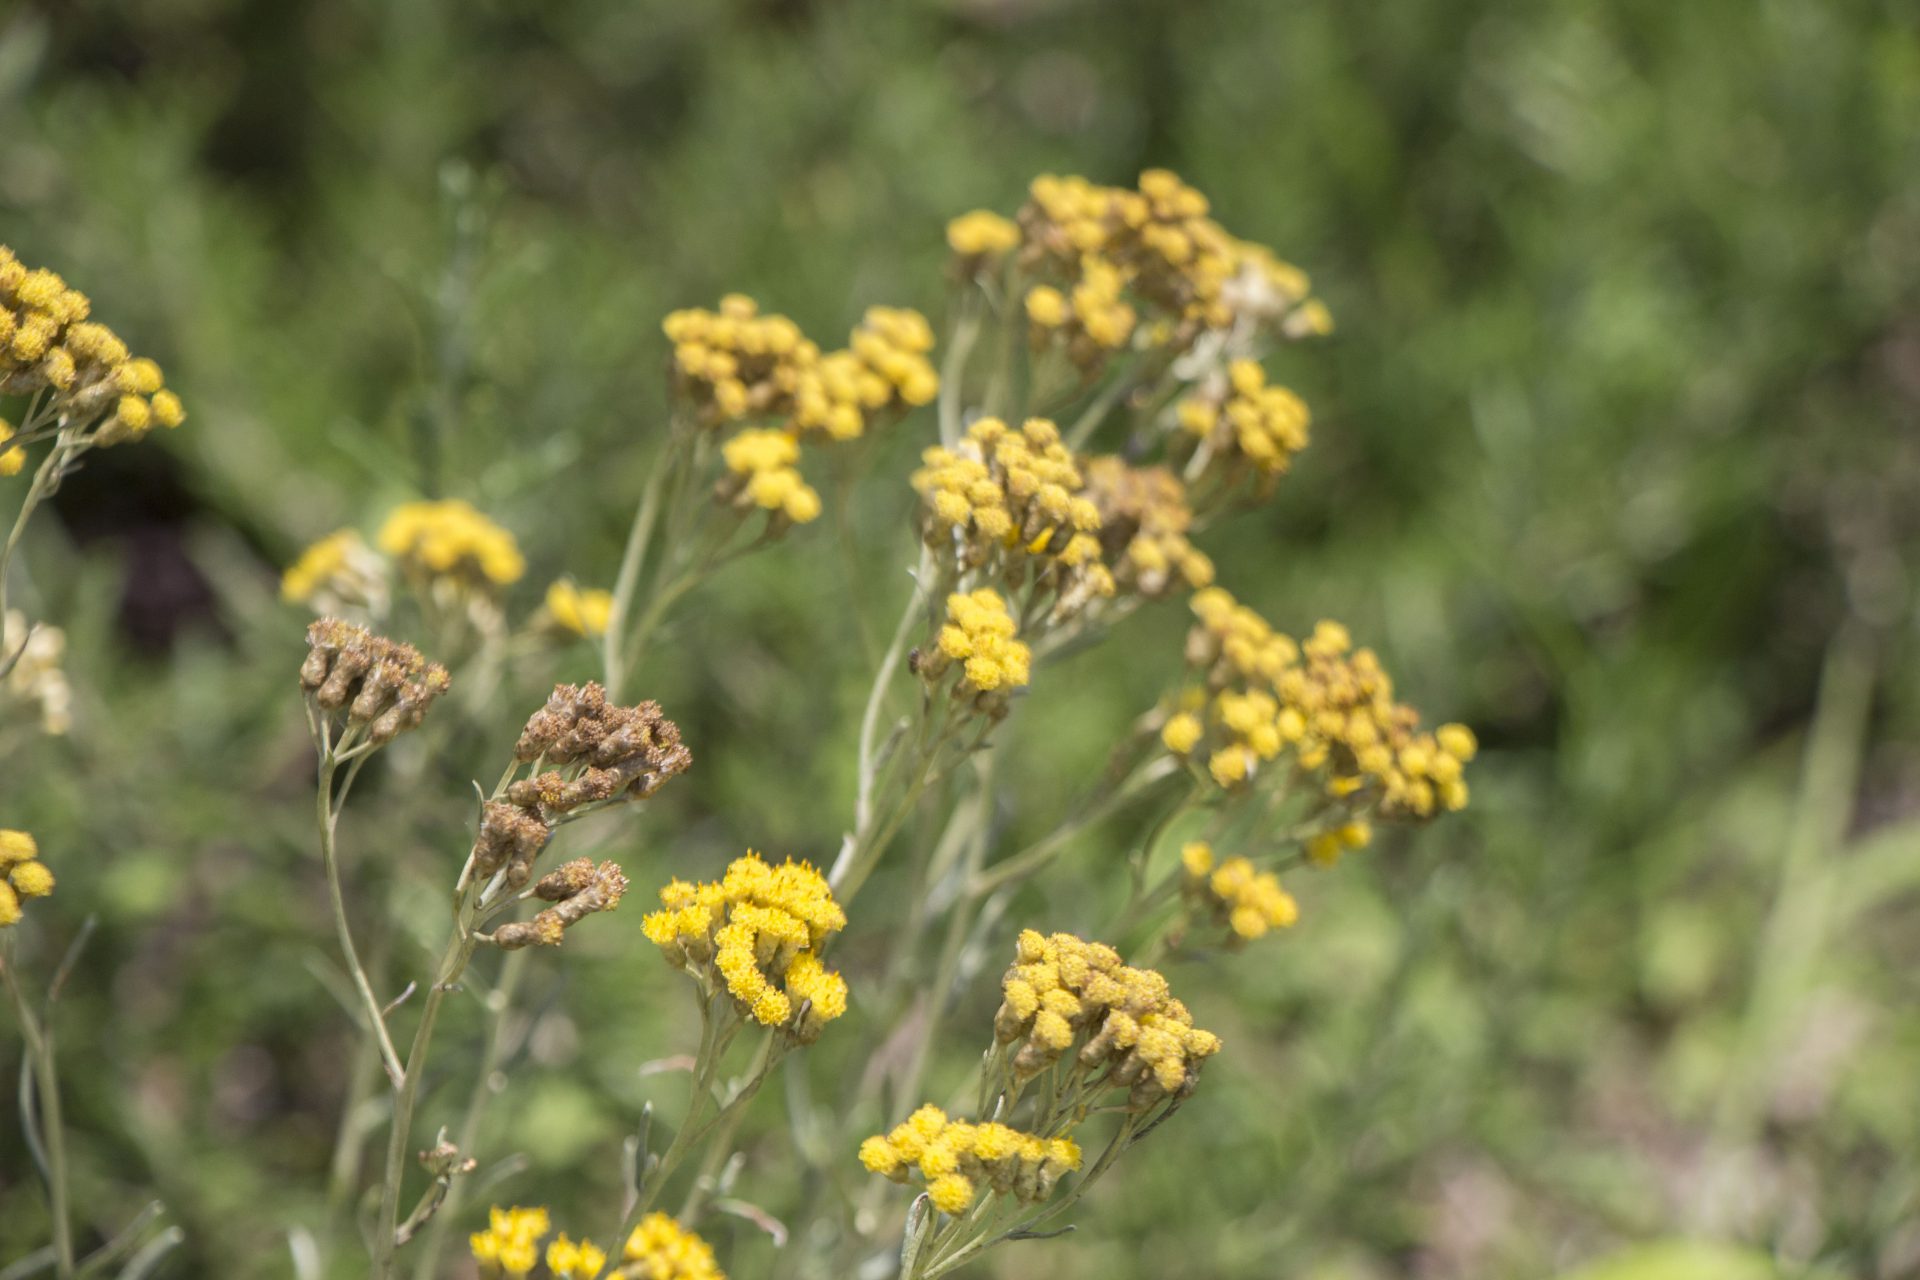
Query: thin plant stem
{"x": 499, "y": 1005}
{"x": 327, "y": 812}
{"x": 639, "y": 537}
{"x": 43, "y": 1065}
{"x": 452, "y": 964}
{"x": 45, "y": 480}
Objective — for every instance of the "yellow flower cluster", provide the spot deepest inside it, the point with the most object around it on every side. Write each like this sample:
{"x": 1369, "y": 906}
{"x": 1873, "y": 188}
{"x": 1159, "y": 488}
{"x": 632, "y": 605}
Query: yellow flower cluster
{"x": 581, "y": 611}
{"x": 452, "y": 540}
{"x": 1156, "y": 245}
{"x": 13, "y": 460}
{"x": 893, "y": 342}
{"x": 758, "y": 930}
{"x": 339, "y": 571}
{"x": 1250, "y": 902}
{"x": 1009, "y": 502}
{"x": 570, "y": 1261}
{"x": 47, "y": 343}
{"x": 762, "y": 473}
{"x": 661, "y": 1249}
{"x": 982, "y": 234}
{"x": 36, "y": 678}
{"x": 1092, "y": 317}
{"x": 1327, "y": 704}
{"x": 510, "y": 1244}
{"x": 1144, "y": 519}
{"x": 1062, "y": 989}
{"x": 735, "y": 363}
{"x": 1251, "y": 420}
{"x": 978, "y": 636}
{"x": 22, "y": 874}
{"x": 957, "y": 1159}
{"x": 510, "y": 1247}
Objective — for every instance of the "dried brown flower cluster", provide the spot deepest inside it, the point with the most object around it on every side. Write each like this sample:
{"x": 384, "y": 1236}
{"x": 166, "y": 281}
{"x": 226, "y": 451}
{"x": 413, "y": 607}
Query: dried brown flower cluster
{"x": 381, "y": 684}
{"x": 628, "y": 752}
{"x": 511, "y": 837}
{"x": 578, "y": 890}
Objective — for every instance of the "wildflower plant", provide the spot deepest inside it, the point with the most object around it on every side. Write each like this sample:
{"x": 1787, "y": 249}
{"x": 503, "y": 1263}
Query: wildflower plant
{"x": 1097, "y": 405}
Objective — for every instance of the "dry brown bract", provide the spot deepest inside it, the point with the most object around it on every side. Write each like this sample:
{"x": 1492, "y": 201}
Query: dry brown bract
{"x": 628, "y": 751}
{"x": 578, "y": 889}
{"x": 380, "y": 683}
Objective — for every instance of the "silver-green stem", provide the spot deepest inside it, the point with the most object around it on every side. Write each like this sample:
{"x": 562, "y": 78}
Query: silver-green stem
{"x": 512, "y": 969}
{"x": 53, "y": 1134}
{"x": 327, "y": 811}
{"x": 453, "y": 963}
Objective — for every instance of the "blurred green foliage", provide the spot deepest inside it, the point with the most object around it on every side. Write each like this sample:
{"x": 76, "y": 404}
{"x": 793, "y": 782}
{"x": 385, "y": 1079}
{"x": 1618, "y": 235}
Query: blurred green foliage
{"x": 1615, "y": 460}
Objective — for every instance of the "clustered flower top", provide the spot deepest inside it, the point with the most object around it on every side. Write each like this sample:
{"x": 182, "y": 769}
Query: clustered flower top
{"x": 735, "y": 363}
{"x": 982, "y": 235}
{"x": 1119, "y": 266}
{"x": 579, "y": 611}
{"x": 758, "y": 932}
{"x": 47, "y": 344}
{"x": 1325, "y": 705}
{"x": 22, "y": 874}
{"x": 738, "y": 367}
{"x": 382, "y": 685}
{"x": 340, "y": 571}
{"x": 978, "y": 641}
{"x": 1062, "y": 991}
{"x": 567, "y": 1260}
{"x": 762, "y": 472}
{"x": 1008, "y": 502}
{"x": 510, "y": 1244}
{"x": 36, "y": 680}
{"x": 658, "y": 1248}
{"x": 605, "y": 751}
{"x": 451, "y": 540}
{"x": 661, "y": 1249}
{"x": 1144, "y": 519}
{"x": 1243, "y": 424}
{"x": 1247, "y": 901}
{"x": 957, "y": 1159}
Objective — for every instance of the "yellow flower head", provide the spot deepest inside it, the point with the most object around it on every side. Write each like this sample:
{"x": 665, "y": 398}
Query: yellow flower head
{"x": 958, "y": 1160}
{"x": 1144, "y": 519}
{"x": 762, "y": 474}
{"x": 1246, "y": 424}
{"x": 99, "y": 392}
{"x": 979, "y": 640}
{"x": 661, "y": 1249}
{"x": 570, "y": 1261}
{"x": 982, "y": 234}
{"x": 1062, "y": 991}
{"x": 577, "y": 610}
{"x": 1325, "y": 707}
{"x": 22, "y": 875}
{"x": 451, "y": 540}
{"x": 338, "y": 572}
{"x": 12, "y": 460}
{"x": 510, "y": 1244}
{"x": 735, "y": 364}
{"x": 758, "y": 930}
{"x": 1248, "y": 902}
{"x": 1147, "y": 266}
